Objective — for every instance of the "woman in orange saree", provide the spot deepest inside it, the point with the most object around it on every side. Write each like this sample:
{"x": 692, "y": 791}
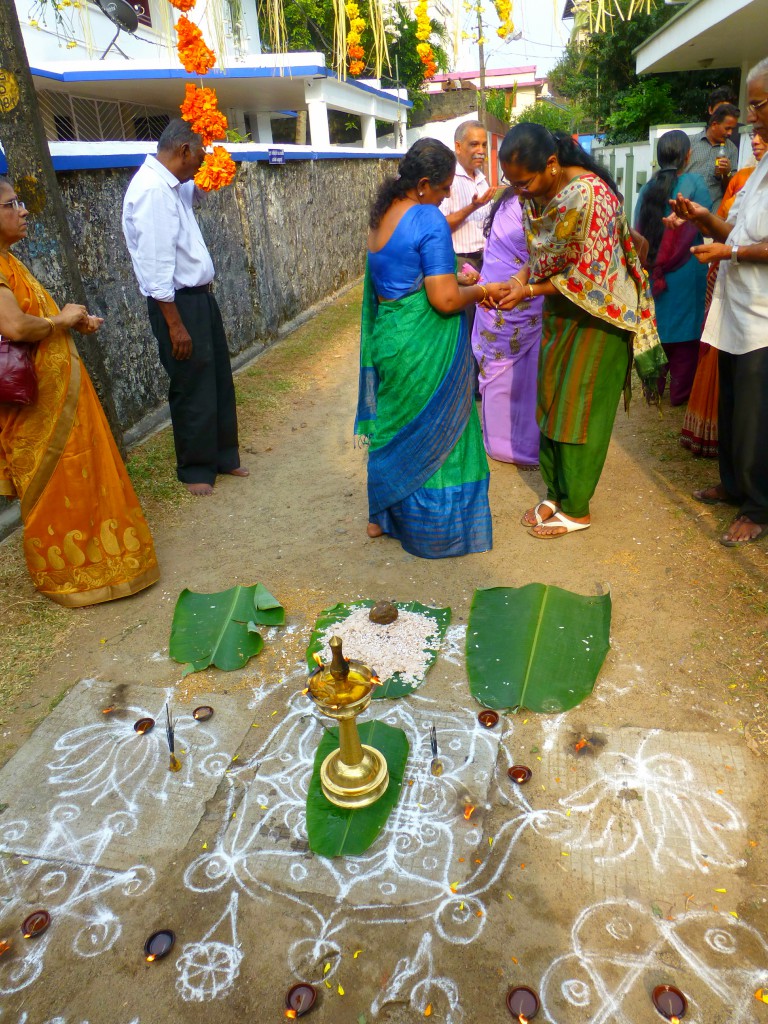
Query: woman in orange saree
{"x": 85, "y": 537}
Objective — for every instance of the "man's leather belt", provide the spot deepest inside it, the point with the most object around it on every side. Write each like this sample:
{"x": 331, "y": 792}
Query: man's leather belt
{"x": 194, "y": 290}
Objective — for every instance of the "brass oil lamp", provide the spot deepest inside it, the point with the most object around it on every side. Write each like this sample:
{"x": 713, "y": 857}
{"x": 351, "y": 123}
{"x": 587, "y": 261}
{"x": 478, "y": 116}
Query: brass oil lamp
{"x": 354, "y": 775}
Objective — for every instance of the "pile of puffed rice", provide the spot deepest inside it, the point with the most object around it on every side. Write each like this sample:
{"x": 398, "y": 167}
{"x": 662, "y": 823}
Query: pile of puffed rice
{"x": 397, "y": 647}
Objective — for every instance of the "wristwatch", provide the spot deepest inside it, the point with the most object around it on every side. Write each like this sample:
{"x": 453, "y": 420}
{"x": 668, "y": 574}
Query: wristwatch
{"x": 734, "y": 254}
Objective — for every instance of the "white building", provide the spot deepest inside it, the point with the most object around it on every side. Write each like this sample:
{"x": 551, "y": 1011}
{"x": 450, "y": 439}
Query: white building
{"x": 98, "y": 83}
{"x": 523, "y": 82}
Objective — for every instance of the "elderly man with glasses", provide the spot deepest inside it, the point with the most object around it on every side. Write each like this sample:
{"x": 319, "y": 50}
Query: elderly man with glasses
{"x": 737, "y": 326}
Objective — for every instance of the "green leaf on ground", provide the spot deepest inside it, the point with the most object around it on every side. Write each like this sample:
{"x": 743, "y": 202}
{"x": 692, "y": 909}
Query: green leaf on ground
{"x": 337, "y": 831}
{"x": 536, "y": 646}
{"x": 220, "y": 629}
{"x": 395, "y": 686}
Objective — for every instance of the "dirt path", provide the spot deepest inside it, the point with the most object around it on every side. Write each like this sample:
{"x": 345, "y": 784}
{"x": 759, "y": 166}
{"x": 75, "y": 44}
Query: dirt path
{"x": 643, "y": 863}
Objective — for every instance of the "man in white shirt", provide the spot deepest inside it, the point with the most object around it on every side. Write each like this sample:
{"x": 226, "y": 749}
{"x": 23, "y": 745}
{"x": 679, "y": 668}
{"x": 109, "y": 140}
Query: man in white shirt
{"x": 465, "y": 208}
{"x": 737, "y": 325}
{"x": 175, "y": 271}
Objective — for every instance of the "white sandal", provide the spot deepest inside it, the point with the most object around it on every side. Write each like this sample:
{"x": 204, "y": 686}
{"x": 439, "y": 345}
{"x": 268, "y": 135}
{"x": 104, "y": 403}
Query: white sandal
{"x": 558, "y": 519}
{"x": 539, "y": 521}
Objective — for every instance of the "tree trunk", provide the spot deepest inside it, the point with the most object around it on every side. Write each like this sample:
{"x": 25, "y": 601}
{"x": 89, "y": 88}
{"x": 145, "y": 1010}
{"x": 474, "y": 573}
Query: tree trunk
{"x": 49, "y": 249}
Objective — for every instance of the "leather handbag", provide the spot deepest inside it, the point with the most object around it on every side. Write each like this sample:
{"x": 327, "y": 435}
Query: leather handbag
{"x": 18, "y": 380}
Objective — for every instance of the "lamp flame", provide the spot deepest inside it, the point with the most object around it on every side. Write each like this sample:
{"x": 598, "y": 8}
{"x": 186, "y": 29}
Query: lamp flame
{"x": 291, "y": 1014}
{"x": 674, "y": 1020}
{"x": 27, "y": 935}
{"x": 4, "y": 946}
{"x": 150, "y": 958}
{"x": 319, "y": 661}
{"x": 109, "y": 710}
{"x": 469, "y": 811}
{"x": 523, "y": 1019}
{"x": 581, "y": 744}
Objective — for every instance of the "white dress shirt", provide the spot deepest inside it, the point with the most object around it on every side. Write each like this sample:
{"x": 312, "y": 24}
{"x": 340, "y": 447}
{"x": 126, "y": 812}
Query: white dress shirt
{"x": 162, "y": 235}
{"x": 738, "y": 317}
{"x": 468, "y": 236}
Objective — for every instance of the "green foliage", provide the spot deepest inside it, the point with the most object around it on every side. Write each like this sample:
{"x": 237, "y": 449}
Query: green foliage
{"x": 339, "y": 831}
{"x": 220, "y": 629}
{"x": 558, "y": 118}
{"x": 600, "y": 77}
{"x": 310, "y": 25}
{"x": 536, "y": 646}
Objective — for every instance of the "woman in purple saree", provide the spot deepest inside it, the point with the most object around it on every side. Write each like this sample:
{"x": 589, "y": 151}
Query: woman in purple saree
{"x": 506, "y": 345}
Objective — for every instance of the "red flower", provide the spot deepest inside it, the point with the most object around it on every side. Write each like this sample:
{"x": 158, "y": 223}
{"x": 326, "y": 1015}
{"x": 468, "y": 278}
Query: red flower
{"x": 614, "y": 311}
{"x": 575, "y": 286}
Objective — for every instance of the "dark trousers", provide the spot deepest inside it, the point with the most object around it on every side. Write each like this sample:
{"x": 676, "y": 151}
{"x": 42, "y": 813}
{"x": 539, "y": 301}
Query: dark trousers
{"x": 201, "y": 392}
{"x": 683, "y": 357}
{"x": 742, "y": 424}
{"x": 474, "y": 259}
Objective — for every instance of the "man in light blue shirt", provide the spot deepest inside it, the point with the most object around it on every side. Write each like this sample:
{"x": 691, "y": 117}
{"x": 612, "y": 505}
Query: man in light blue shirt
{"x": 175, "y": 272}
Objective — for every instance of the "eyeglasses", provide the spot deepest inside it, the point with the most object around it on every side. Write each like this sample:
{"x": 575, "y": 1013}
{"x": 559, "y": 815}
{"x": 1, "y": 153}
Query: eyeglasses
{"x": 754, "y": 107}
{"x": 521, "y": 186}
{"x": 17, "y": 204}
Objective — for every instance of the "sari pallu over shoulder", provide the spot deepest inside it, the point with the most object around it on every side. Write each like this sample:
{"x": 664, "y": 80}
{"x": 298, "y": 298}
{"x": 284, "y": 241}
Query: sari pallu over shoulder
{"x": 85, "y": 536}
{"x": 401, "y": 461}
{"x": 581, "y": 242}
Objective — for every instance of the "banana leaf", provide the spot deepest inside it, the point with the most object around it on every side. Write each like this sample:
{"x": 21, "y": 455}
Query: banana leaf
{"x": 340, "y": 832}
{"x": 537, "y": 647}
{"x": 395, "y": 686}
{"x": 221, "y": 629}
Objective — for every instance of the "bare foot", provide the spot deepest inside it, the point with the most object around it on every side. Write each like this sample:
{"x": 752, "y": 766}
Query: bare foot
{"x": 240, "y": 471}
{"x": 714, "y": 495}
{"x": 743, "y": 531}
{"x": 374, "y": 530}
{"x": 200, "y": 490}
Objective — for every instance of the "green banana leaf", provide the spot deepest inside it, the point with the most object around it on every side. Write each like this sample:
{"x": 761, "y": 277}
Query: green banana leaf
{"x": 394, "y": 686}
{"x": 536, "y": 646}
{"x": 337, "y": 831}
{"x": 222, "y": 629}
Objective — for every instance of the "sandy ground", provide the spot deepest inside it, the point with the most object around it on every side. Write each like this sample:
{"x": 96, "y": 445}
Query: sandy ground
{"x": 639, "y": 864}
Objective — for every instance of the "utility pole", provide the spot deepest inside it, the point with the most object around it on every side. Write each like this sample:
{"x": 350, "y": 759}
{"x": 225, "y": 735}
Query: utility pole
{"x": 481, "y": 54}
{"x": 49, "y": 249}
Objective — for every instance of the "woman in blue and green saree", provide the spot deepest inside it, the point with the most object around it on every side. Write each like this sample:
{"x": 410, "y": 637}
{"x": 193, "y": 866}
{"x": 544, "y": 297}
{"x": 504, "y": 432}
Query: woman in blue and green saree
{"x": 427, "y": 468}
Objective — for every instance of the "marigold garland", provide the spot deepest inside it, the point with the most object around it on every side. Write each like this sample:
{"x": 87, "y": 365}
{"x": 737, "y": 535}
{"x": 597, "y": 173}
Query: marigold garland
{"x": 201, "y": 109}
{"x": 504, "y": 11}
{"x": 217, "y": 170}
{"x": 183, "y": 5}
{"x": 355, "y": 51}
{"x": 195, "y": 55}
{"x": 423, "y": 32}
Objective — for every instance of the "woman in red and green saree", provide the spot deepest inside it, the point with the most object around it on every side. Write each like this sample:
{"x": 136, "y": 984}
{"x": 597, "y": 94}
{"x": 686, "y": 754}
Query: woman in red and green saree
{"x": 427, "y": 468}
{"x": 598, "y": 315}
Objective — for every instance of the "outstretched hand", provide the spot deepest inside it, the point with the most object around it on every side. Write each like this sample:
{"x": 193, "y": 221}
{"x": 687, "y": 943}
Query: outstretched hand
{"x": 710, "y": 253}
{"x": 684, "y": 209}
{"x": 486, "y": 197}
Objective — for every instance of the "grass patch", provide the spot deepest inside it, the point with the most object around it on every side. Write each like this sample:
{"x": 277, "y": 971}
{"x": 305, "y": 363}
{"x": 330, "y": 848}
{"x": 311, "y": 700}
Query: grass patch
{"x": 152, "y": 469}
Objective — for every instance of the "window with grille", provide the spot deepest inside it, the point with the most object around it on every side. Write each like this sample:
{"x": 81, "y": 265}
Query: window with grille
{"x": 70, "y": 118}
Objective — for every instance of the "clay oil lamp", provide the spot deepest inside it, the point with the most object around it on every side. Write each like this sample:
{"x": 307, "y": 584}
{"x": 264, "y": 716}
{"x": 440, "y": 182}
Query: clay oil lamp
{"x": 520, "y": 774}
{"x": 5, "y": 945}
{"x": 299, "y": 999}
{"x": 159, "y": 945}
{"x": 143, "y": 725}
{"x": 354, "y": 775}
{"x": 488, "y": 718}
{"x": 670, "y": 1002}
{"x": 35, "y": 924}
{"x": 203, "y": 713}
{"x": 523, "y": 1003}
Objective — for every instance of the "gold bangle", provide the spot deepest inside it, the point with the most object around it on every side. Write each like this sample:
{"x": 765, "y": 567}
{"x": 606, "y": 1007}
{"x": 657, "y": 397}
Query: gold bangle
{"x": 485, "y": 293}
{"x": 53, "y": 325}
{"x": 530, "y": 291}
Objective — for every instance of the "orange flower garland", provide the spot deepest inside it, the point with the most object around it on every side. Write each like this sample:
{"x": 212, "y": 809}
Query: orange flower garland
{"x": 217, "y": 171}
{"x": 201, "y": 109}
{"x": 355, "y": 52}
{"x": 183, "y": 5}
{"x": 423, "y": 32}
{"x": 195, "y": 55}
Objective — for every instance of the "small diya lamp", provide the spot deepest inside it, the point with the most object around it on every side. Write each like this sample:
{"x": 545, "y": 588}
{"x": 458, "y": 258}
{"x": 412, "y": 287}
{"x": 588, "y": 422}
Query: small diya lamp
{"x": 35, "y": 924}
{"x": 143, "y": 725}
{"x": 5, "y": 945}
{"x": 299, "y": 999}
{"x": 158, "y": 945}
{"x": 355, "y": 774}
{"x": 203, "y": 713}
{"x": 670, "y": 1002}
{"x": 523, "y": 1003}
{"x": 520, "y": 774}
{"x": 488, "y": 718}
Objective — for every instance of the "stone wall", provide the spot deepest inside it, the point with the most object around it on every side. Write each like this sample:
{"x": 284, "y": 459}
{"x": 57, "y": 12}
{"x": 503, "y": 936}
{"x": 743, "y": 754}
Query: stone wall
{"x": 283, "y": 239}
